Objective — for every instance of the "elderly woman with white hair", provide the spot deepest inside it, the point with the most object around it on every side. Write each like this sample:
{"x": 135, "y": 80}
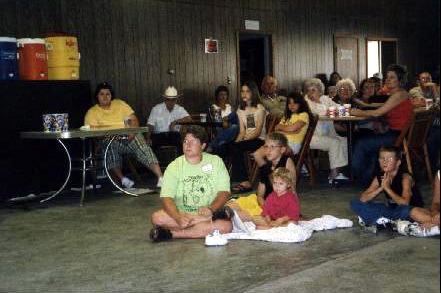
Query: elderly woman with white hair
{"x": 345, "y": 92}
{"x": 325, "y": 137}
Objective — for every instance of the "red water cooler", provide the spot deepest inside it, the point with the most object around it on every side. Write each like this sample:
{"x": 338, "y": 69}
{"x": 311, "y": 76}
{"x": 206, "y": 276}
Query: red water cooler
{"x": 32, "y": 62}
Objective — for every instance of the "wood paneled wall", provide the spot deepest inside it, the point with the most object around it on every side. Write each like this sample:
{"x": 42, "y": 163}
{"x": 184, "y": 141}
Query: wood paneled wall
{"x": 132, "y": 43}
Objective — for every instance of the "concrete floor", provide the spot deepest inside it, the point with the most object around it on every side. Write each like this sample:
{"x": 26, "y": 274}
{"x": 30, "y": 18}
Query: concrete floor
{"x": 103, "y": 247}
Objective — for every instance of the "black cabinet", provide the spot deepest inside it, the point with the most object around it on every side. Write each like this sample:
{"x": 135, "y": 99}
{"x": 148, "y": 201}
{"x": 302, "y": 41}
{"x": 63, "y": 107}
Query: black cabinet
{"x": 31, "y": 166}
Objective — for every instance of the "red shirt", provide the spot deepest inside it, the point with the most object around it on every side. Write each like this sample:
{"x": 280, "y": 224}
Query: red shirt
{"x": 398, "y": 117}
{"x": 277, "y": 207}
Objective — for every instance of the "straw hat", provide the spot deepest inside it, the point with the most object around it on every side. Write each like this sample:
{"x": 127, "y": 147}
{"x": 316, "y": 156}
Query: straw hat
{"x": 171, "y": 93}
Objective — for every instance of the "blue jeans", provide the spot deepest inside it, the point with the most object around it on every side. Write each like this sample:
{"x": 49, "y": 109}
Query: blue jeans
{"x": 233, "y": 118}
{"x": 370, "y": 212}
{"x": 229, "y": 134}
{"x": 365, "y": 154}
{"x": 225, "y": 136}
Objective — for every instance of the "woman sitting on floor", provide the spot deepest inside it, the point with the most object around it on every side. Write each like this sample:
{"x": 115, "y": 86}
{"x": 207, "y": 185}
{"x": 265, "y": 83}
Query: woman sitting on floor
{"x": 275, "y": 148}
{"x": 195, "y": 190}
{"x": 252, "y": 117}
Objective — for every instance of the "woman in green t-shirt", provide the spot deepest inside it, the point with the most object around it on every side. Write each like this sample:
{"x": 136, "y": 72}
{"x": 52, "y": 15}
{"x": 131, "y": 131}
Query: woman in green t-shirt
{"x": 195, "y": 189}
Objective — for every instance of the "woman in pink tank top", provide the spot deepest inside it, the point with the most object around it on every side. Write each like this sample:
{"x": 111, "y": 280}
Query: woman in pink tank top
{"x": 397, "y": 111}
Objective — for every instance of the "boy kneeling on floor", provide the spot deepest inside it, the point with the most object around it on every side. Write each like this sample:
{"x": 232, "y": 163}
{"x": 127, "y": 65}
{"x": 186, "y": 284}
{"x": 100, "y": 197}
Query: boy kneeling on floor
{"x": 402, "y": 197}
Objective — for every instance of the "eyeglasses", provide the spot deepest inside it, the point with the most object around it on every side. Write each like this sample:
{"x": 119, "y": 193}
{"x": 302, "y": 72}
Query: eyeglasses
{"x": 271, "y": 147}
{"x": 190, "y": 142}
{"x": 386, "y": 160}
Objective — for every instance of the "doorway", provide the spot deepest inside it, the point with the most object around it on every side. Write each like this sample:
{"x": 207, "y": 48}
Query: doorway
{"x": 380, "y": 54}
{"x": 255, "y": 57}
{"x": 346, "y": 57}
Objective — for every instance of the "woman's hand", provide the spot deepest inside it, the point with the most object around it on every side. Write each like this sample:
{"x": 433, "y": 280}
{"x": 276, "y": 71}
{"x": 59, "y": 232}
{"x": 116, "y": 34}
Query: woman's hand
{"x": 274, "y": 224}
{"x": 205, "y": 211}
{"x": 225, "y": 122}
{"x": 357, "y": 112}
{"x": 185, "y": 221}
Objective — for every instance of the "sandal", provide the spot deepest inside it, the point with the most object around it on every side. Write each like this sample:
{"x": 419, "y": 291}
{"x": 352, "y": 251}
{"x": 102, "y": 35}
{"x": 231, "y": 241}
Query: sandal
{"x": 241, "y": 189}
{"x": 159, "y": 234}
{"x": 224, "y": 213}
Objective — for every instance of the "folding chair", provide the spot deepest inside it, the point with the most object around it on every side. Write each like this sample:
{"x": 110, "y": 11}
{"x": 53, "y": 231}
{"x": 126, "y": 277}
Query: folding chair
{"x": 413, "y": 140}
{"x": 271, "y": 123}
{"x": 304, "y": 156}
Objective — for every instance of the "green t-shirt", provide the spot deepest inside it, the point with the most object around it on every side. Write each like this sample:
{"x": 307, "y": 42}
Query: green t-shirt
{"x": 192, "y": 187}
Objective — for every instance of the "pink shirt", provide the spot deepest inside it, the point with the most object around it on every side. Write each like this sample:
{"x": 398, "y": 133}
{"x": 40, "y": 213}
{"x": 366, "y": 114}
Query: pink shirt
{"x": 277, "y": 207}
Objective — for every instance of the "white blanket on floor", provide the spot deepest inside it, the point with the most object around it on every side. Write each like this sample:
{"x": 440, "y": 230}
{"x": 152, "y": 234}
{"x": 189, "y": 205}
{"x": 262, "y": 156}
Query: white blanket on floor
{"x": 290, "y": 234}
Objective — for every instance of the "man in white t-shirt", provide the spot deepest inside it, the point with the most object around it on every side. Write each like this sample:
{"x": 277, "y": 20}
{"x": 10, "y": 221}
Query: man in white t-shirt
{"x": 164, "y": 119}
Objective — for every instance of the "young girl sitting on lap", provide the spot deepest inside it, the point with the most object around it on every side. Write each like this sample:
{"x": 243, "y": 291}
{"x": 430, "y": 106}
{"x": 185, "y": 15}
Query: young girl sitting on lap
{"x": 282, "y": 206}
{"x": 275, "y": 148}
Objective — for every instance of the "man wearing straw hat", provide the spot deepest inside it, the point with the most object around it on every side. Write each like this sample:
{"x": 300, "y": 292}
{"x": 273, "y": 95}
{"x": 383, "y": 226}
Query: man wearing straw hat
{"x": 164, "y": 119}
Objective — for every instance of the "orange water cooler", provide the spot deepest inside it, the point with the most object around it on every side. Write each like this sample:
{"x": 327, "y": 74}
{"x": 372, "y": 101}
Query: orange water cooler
{"x": 63, "y": 58}
{"x": 32, "y": 61}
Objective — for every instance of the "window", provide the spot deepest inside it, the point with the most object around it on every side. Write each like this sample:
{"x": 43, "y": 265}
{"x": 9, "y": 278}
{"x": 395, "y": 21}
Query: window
{"x": 380, "y": 54}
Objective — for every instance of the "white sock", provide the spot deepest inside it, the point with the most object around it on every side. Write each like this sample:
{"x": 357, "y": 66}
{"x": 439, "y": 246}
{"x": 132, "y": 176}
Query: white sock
{"x": 127, "y": 183}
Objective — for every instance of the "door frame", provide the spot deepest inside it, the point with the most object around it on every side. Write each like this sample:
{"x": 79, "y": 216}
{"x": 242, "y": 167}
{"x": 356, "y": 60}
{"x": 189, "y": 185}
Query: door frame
{"x": 358, "y": 53}
{"x": 271, "y": 47}
{"x": 381, "y": 40}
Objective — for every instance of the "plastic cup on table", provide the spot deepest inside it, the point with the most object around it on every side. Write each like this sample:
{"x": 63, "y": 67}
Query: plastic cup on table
{"x": 341, "y": 111}
{"x": 348, "y": 108}
{"x": 332, "y": 112}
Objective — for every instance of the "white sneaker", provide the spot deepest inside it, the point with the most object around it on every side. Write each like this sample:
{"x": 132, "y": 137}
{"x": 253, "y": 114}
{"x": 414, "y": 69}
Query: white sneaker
{"x": 341, "y": 177}
{"x": 416, "y": 230}
{"x": 383, "y": 221}
{"x": 216, "y": 239}
{"x": 403, "y": 228}
{"x": 127, "y": 183}
{"x": 304, "y": 171}
{"x": 361, "y": 222}
{"x": 372, "y": 229}
{"x": 160, "y": 181}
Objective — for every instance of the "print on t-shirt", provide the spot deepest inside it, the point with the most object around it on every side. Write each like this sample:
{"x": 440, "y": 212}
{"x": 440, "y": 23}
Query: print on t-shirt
{"x": 196, "y": 188}
{"x": 251, "y": 122}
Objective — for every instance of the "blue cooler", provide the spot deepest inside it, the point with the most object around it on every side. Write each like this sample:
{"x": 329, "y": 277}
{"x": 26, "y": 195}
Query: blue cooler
{"x": 8, "y": 59}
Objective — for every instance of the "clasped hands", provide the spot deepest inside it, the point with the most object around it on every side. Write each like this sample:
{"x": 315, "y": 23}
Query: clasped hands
{"x": 185, "y": 220}
{"x": 386, "y": 181}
